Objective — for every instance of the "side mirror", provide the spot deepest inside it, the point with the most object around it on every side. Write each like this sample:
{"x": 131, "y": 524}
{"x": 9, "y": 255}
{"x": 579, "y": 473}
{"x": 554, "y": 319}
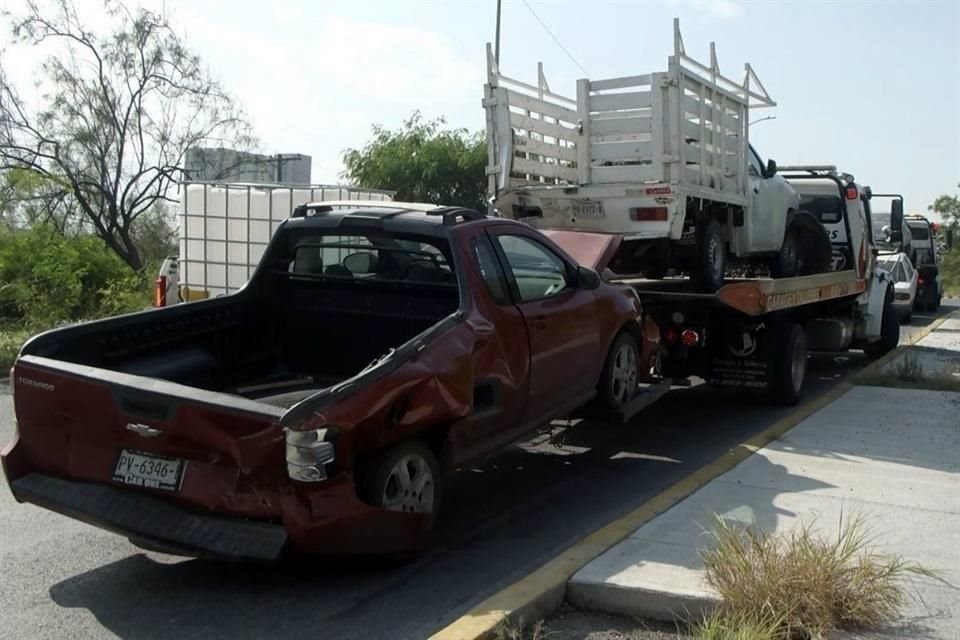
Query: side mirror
{"x": 771, "y": 169}
{"x": 588, "y": 279}
{"x": 896, "y": 221}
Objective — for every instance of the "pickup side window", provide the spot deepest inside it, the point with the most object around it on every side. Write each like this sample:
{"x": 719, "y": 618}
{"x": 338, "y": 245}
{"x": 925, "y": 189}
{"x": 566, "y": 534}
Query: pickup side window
{"x": 753, "y": 163}
{"x": 490, "y": 271}
{"x": 537, "y": 271}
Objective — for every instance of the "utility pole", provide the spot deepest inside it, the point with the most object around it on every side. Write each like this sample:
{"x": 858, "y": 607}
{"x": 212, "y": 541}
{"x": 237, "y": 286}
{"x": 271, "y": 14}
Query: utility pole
{"x": 496, "y": 52}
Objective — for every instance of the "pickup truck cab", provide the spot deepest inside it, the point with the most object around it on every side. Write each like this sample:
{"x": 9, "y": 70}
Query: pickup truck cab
{"x": 376, "y": 346}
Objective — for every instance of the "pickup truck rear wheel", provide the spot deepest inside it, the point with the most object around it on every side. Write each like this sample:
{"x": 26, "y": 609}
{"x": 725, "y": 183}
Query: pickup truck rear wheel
{"x": 406, "y": 478}
{"x": 618, "y": 381}
{"x": 711, "y": 258}
{"x": 788, "y": 363}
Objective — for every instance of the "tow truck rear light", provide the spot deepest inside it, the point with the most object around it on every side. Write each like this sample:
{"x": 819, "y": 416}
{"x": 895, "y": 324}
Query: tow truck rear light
{"x": 690, "y": 338}
{"x": 671, "y": 335}
{"x": 852, "y": 193}
{"x": 160, "y": 292}
{"x": 648, "y": 214}
{"x": 920, "y": 280}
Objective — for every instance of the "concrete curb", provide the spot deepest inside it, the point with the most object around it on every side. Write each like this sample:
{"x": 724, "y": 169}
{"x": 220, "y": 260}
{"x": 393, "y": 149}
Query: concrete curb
{"x": 544, "y": 590}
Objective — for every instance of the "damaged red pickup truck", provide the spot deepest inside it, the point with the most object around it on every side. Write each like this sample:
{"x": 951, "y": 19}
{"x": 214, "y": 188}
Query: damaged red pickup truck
{"x": 317, "y": 409}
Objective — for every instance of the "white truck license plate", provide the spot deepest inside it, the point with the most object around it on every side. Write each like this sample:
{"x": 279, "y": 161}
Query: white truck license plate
{"x": 588, "y": 209}
{"x": 147, "y": 470}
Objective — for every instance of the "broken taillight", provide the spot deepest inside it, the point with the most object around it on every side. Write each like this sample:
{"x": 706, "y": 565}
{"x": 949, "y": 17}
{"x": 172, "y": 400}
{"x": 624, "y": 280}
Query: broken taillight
{"x": 160, "y": 292}
{"x": 309, "y": 453}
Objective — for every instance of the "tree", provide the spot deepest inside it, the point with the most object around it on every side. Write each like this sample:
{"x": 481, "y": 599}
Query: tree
{"x": 949, "y": 209}
{"x": 422, "y": 162}
{"x": 118, "y": 112}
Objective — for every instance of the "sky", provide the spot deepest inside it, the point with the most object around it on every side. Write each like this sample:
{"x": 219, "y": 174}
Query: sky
{"x": 872, "y": 87}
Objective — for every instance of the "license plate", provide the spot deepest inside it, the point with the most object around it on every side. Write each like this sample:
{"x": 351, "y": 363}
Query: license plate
{"x": 148, "y": 470}
{"x": 588, "y": 209}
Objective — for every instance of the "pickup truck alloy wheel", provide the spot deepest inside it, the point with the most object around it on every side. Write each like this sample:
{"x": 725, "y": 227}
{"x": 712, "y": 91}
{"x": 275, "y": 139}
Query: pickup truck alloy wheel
{"x": 619, "y": 380}
{"x": 407, "y": 479}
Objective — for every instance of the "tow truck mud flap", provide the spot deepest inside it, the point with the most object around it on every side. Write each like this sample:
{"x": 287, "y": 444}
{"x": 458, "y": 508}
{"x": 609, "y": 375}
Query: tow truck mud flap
{"x": 146, "y": 518}
{"x": 740, "y": 359}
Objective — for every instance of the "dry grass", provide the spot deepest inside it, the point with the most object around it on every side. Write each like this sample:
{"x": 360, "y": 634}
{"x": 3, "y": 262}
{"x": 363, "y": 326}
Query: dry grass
{"x": 508, "y": 631}
{"x": 731, "y": 626}
{"x": 805, "y": 583}
{"x": 908, "y": 372}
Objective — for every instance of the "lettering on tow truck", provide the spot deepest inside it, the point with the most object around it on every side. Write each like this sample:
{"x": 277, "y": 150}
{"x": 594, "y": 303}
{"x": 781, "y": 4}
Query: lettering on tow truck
{"x": 779, "y": 301}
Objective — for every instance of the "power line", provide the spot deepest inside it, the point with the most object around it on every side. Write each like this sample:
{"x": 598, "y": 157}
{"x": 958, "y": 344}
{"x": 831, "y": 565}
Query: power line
{"x": 555, "y": 38}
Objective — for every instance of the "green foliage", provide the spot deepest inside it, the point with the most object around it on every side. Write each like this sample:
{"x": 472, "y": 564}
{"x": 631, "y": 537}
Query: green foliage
{"x": 47, "y": 278}
{"x": 11, "y": 339}
{"x": 422, "y": 162}
{"x": 950, "y": 272}
{"x": 949, "y": 209}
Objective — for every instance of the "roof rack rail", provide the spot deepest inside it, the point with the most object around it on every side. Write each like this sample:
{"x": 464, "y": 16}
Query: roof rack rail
{"x": 326, "y": 206}
{"x": 812, "y": 168}
{"x": 453, "y": 215}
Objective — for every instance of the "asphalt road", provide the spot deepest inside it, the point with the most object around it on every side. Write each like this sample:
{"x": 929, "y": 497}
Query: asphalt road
{"x": 61, "y": 578}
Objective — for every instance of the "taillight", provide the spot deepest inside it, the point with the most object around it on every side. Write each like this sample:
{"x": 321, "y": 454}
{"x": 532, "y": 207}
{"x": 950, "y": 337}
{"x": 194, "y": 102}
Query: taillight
{"x": 309, "y": 453}
{"x": 852, "y": 193}
{"x": 690, "y": 338}
{"x": 671, "y": 335}
{"x": 648, "y": 214}
{"x": 920, "y": 280}
{"x": 160, "y": 292}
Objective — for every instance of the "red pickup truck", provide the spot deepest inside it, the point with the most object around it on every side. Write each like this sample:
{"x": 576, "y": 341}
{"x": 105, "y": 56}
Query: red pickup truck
{"x": 317, "y": 409}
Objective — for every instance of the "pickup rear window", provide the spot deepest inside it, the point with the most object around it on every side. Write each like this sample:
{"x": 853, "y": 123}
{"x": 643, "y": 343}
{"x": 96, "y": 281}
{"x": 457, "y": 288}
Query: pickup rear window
{"x": 919, "y": 231}
{"x": 826, "y": 208}
{"x": 372, "y": 258}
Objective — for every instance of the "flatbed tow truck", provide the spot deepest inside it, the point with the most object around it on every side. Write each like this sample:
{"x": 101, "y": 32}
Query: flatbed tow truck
{"x": 754, "y": 334}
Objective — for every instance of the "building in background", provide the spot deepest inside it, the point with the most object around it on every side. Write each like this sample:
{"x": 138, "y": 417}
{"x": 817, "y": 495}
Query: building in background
{"x": 228, "y": 165}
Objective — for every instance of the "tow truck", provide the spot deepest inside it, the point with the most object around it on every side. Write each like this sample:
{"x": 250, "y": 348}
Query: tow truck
{"x": 754, "y": 334}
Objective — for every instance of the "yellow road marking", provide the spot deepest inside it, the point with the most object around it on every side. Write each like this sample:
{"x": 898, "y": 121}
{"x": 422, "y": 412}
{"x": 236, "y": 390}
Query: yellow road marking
{"x": 541, "y": 591}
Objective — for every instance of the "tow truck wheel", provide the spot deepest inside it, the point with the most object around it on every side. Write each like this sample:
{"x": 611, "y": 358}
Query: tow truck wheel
{"x": 712, "y": 257}
{"x": 618, "y": 382}
{"x": 788, "y": 366}
{"x": 405, "y": 478}
{"x": 889, "y": 332}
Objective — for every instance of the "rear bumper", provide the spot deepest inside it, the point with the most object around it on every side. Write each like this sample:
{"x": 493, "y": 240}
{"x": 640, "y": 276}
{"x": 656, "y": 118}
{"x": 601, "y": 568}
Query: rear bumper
{"x": 152, "y": 520}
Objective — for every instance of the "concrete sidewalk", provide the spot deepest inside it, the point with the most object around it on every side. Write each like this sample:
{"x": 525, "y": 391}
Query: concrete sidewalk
{"x": 891, "y": 455}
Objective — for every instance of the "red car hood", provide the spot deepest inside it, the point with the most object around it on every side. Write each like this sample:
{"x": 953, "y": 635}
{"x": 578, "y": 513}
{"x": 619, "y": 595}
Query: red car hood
{"x": 594, "y": 250}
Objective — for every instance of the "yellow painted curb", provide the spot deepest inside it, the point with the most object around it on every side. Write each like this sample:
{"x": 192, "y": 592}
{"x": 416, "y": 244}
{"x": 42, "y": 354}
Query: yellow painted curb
{"x": 540, "y": 592}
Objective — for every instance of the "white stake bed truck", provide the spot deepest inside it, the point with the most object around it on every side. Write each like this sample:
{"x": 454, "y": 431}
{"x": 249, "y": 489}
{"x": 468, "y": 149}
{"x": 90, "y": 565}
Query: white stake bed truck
{"x": 661, "y": 159}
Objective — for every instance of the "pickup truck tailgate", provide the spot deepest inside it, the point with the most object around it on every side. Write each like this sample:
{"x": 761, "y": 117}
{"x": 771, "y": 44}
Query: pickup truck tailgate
{"x": 209, "y": 451}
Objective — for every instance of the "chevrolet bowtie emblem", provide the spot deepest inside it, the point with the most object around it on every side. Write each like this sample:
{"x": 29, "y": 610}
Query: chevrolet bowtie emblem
{"x": 143, "y": 430}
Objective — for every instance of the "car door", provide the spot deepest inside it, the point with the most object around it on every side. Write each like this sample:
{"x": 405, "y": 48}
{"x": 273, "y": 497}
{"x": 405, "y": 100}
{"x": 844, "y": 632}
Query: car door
{"x": 560, "y": 318}
{"x": 768, "y": 211}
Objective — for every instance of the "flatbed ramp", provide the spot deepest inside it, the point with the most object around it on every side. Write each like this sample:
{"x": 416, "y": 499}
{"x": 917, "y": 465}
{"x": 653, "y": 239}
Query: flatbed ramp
{"x": 757, "y": 296}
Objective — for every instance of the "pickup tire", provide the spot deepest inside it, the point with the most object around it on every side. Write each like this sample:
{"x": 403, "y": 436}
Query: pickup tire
{"x": 711, "y": 257}
{"x": 806, "y": 247}
{"x": 618, "y": 380}
{"x": 787, "y": 364}
{"x": 406, "y": 477}
{"x": 889, "y": 332}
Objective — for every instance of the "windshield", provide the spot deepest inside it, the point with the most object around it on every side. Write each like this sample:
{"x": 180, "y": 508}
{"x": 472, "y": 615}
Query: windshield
{"x": 919, "y": 231}
{"x": 826, "y": 208}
